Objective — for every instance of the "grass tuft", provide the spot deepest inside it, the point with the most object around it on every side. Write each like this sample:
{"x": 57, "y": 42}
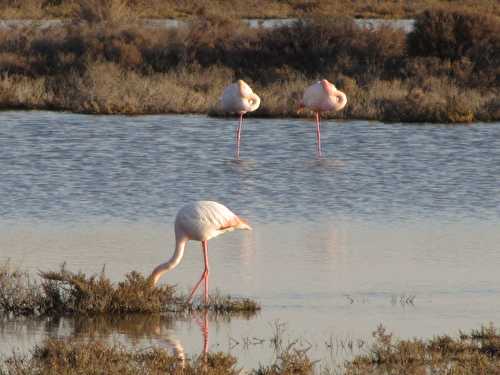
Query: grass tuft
{"x": 75, "y": 293}
{"x": 19, "y": 294}
{"x": 475, "y": 353}
{"x": 222, "y": 304}
{"x": 69, "y": 293}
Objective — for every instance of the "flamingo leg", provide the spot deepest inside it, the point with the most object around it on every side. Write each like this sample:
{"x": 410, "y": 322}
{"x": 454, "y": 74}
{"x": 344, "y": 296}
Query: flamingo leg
{"x": 204, "y": 275}
{"x": 204, "y": 244}
{"x": 318, "y": 136}
{"x": 238, "y": 137}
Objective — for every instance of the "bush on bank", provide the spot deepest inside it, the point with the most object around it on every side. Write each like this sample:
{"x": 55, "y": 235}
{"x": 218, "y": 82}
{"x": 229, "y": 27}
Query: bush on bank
{"x": 446, "y": 70}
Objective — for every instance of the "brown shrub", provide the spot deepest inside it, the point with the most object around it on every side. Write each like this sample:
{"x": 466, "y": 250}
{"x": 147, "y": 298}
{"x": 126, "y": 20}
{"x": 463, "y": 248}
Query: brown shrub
{"x": 460, "y": 35}
{"x": 328, "y": 45}
{"x": 445, "y": 104}
{"x": 109, "y": 11}
{"x": 12, "y": 63}
{"x": 17, "y": 91}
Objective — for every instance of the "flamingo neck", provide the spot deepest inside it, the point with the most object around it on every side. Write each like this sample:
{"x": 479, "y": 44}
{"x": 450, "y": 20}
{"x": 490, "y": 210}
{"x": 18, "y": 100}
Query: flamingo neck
{"x": 342, "y": 100}
{"x": 159, "y": 271}
{"x": 253, "y": 102}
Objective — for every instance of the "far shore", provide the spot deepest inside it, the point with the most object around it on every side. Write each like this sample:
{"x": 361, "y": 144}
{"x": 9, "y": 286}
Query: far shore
{"x": 263, "y": 9}
{"x": 445, "y": 70}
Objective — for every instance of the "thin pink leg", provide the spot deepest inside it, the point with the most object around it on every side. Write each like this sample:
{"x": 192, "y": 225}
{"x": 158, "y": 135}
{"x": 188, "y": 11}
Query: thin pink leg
{"x": 238, "y": 137}
{"x": 196, "y": 287}
{"x": 204, "y": 244}
{"x": 318, "y": 136}
{"x": 204, "y": 275}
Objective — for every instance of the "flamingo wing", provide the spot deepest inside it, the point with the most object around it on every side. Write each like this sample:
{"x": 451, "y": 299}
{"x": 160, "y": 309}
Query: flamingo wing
{"x": 203, "y": 220}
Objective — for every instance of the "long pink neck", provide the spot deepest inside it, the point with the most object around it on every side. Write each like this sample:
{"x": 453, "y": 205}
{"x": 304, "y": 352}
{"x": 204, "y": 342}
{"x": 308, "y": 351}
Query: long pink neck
{"x": 159, "y": 271}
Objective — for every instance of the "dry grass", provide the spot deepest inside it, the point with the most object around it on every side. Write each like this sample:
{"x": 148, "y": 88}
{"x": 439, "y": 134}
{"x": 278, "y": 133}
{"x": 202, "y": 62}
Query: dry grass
{"x": 19, "y": 293}
{"x": 447, "y": 70}
{"x": 65, "y": 292}
{"x": 474, "y": 353}
{"x": 242, "y": 8}
{"x": 221, "y": 304}
{"x": 96, "y": 357}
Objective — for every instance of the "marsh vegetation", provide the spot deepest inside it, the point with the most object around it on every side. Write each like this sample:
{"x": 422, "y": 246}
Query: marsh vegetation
{"x": 37, "y": 9}
{"x": 445, "y": 70}
{"x": 64, "y": 292}
{"x": 476, "y": 352}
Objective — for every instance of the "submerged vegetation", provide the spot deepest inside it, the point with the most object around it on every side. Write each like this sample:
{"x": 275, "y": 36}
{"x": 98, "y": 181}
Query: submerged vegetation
{"x": 445, "y": 70}
{"x": 64, "y": 292}
{"x": 477, "y": 352}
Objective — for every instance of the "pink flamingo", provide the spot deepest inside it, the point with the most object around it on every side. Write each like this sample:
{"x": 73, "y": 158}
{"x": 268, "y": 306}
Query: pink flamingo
{"x": 239, "y": 98}
{"x": 199, "y": 221}
{"x": 322, "y": 97}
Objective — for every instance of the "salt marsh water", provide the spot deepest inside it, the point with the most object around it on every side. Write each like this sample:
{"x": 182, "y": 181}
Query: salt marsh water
{"x": 399, "y": 224}
{"x": 369, "y": 23}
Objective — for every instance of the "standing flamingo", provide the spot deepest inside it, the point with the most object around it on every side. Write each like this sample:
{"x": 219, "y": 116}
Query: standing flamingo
{"x": 322, "y": 97}
{"x": 199, "y": 221}
{"x": 239, "y": 98}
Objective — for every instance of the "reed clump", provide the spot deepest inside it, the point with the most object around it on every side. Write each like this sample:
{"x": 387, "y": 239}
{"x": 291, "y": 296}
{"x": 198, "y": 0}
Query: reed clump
{"x": 445, "y": 70}
{"x": 64, "y": 292}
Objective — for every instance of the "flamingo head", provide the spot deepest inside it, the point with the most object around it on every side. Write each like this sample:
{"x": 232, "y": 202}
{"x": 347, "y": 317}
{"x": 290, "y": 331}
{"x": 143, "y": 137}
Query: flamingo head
{"x": 337, "y": 98}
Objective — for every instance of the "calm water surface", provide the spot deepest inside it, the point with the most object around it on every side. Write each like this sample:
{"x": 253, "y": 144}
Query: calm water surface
{"x": 393, "y": 213}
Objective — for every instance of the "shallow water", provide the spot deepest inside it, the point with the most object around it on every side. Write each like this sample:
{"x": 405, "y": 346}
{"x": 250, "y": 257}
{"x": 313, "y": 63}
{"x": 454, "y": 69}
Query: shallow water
{"x": 406, "y": 25}
{"x": 399, "y": 224}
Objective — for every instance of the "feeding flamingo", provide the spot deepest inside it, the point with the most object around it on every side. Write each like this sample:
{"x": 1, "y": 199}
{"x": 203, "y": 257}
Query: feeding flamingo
{"x": 322, "y": 97}
{"x": 239, "y": 98}
{"x": 199, "y": 221}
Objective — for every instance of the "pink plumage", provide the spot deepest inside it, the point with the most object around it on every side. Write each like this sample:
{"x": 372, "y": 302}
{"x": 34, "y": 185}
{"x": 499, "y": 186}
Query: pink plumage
{"x": 239, "y": 98}
{"x": 199, "y": 221}
{"x": 203, "y": 220}
{"x": 322, "y": 96}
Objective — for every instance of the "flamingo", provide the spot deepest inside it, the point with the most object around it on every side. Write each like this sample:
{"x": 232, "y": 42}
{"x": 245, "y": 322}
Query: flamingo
{"x": 322, "y": 96}
{"x": 199, "y": 221}
{"x": 239, "y": 98}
